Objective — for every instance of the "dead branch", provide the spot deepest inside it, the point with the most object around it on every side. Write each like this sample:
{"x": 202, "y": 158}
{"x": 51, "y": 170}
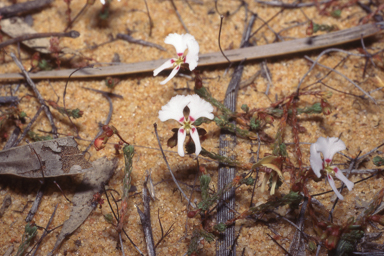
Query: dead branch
{"x": 36, "y": 203}
{"x": 12, "y": 10}
{"x": 71, "y": 34}
{"x": 38, "y": 95}
{"x": 130, "y": 39}
{"x": 8, "y": 99}
{"x": 215, "y": 58}
{"x": 339, "y": 73}
{"x": 12, "y": 139}
{"x": 179, "y": 16}
{"x": 145, "y": 218}
{"x": 290, "y": 6}
{"x": 45, "y": 231}
{"x": 28, "y": 127}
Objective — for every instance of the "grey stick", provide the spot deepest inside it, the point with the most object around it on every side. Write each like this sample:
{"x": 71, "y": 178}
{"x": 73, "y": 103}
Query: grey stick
{"x": 38, "y": 95}
{"x": 226, "y": 244}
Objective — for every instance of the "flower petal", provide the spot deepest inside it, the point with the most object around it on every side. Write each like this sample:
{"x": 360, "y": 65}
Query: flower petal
{"x": 199, "y": 108}
{"x": 173, "y": 109}
{"x": 329, "y": 147}
{"x": 274, "y": 183}
{"x": 265, "y": 181}
{"x": 173, "y": 73}
{"x": 344, "y": 179}
{"x": 193, "y": 51}
{"x": 275, "y": 168}
{"x": 332, "y": 183}
{"x": 167, "y": 64}
{"x": 316, "y": 161}
{"x": 180, "y": 141}
{"x": 177, "y": 41}
{"x": 195, "y": 137}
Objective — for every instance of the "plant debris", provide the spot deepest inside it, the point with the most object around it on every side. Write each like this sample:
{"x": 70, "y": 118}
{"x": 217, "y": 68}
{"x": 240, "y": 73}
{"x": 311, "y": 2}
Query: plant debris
{"x": 93, "y": 182}
{"x": 59, "y": 157}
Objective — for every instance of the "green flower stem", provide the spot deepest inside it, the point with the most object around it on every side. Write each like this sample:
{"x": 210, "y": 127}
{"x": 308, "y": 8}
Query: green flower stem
{"x": 29, "y": 234}
{"x": 293, "y": 198}
{"x": 203, "y": 93}
{"x": 314, "y": 109}
{"x": 224, "y": 124}
{"x": 204, "y": 205}
{"x": 221, "y": 159}
{"x": 74, "y": 113}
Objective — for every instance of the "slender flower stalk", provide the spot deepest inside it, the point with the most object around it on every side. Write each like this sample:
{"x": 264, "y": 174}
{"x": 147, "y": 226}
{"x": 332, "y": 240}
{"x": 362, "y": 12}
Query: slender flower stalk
{"x": 328, "y": 147}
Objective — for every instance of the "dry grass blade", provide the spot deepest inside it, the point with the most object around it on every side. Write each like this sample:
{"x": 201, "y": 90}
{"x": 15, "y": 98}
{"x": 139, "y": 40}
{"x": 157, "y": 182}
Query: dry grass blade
{"x": 215, "y": 58}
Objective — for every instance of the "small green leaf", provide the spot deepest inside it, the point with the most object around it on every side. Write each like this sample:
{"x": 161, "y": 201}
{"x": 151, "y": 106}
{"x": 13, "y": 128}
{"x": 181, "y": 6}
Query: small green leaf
{"x": 207, "y": 236}
{"x": 245, "y": 108}
{"x": 336, "y": 13}
{"x": 248, "y": 181}
{"x": 22, "y": 114}
{"x": 255, "y": 124}
{"x": 221, "y": 227}
{"x": 283, "y": 150}
{"x": 378, "y": 161}
{"x": 36, "y": 137}
{"x": 109, "y": 218}
{"x": 204, "y": 186}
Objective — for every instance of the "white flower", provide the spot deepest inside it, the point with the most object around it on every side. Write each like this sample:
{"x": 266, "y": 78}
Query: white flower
{"x": 181, "y": 43}
{"x": 103, "y": 2}
{"x": 176, "y": 108}
{"x": 329, "y": 147}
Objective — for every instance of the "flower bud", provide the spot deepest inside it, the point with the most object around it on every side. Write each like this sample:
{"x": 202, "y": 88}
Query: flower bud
{"x": 191, "y": 214}
{"x": 327, "y": 109}
{"x": 202, "y": 169}
{"x": 111, "y": 82}
{"x": 107, "y": 130}
{"x": 309, "y": 30}
{"x": 269, "y": 119}
{"x": 378, "y": 219}
{"x": 99, "y": 143}
{"x": 35, "y": 60}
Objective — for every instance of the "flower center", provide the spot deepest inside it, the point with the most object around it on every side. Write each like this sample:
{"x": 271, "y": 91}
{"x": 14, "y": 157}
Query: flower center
{"x": 187, "y": 125}
{"x": 330, "y": 169}
{"x": 180, "y": 60}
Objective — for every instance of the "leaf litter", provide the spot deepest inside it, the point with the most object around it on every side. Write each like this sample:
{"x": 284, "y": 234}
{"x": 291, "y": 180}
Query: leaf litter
{"x": 93, "y": 182}
{"x": 59, "y": 157}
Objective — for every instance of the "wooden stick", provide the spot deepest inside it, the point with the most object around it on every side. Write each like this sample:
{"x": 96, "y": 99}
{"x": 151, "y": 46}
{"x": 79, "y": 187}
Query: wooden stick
{"x": 72, "y": 34}
{"x": 13, "y": 10}
{"x": 250, "y": 53}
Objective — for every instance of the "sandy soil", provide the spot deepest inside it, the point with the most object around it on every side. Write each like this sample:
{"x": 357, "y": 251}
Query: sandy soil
{"x": 359, "y": 121}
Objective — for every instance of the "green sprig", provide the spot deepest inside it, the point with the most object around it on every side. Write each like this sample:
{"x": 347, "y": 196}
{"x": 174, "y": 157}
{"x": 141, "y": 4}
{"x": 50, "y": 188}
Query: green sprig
{"x": 378, "y": 161}
{"x": 293, "y": 198}
{"x": 224, "y": 124}
{"x": 29, "y": 233}
{"x": 203, "y": 93}
{"x": 36, "y": 137}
